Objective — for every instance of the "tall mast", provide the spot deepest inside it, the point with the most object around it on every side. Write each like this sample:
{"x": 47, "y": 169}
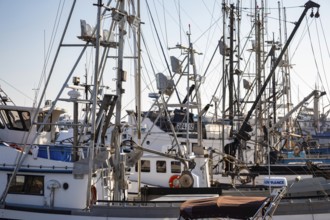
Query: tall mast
{"x": 138, "y": 86}
{"x": 188, "y": 93}
{"x": 238, "y": 110}
{"x": 258, "y": 79}
{"x": 242, "y": 133}
{"x": 224, "y": 68}
{"x": 119, "y": 169}
{"x": 94, "y": 104}
{"x": 287, "y": 81}
{"x": 231, "y": 66}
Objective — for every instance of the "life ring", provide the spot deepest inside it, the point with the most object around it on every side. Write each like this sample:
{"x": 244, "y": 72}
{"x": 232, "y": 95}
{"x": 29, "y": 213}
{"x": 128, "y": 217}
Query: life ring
{"x": 19, "y": 148}
{"x": 93, "y": 195}
{"x": 16, "y": 147}
{"x": 174, "y": 181}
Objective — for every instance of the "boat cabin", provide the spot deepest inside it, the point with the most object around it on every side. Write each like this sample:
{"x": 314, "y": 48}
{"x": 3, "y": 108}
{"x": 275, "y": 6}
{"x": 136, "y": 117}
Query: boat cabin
{"x": 16, "y": 121}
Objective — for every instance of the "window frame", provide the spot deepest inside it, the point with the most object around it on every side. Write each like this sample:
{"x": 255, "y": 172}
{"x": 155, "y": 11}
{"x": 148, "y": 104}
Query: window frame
{"x": 27, "y": 185}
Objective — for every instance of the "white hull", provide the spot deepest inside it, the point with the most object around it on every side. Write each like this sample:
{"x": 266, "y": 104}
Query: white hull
{"x": 103, "y": 213}
{"x": 302, "y": 217}
{"x": 85, "y": 215}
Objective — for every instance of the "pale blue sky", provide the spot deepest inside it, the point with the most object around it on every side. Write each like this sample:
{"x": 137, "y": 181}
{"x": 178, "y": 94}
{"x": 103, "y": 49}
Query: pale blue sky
{"x": 26, "y": 25}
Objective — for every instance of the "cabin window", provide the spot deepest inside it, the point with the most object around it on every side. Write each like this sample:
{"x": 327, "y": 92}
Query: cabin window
{"x": 161, "y": 166}
{"x": 145, "y": 166}
{"x": 175, "y": 167}
{"x": 16, "y": 120}
{"x": 27, "y": 184}
{"x": 41, "y": 118}
{"x": 2, "y": 124}
{"x": 27, "y": 119}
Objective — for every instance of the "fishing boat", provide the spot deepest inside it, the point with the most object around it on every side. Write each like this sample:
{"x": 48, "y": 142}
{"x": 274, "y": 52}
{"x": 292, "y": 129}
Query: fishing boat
{"x": 89, "y": 177}
{"x": 187, "y": 129}
{"x": 86, "y": 175}
{"x": 243, "y": 168}
{"x": 72, "y": 180}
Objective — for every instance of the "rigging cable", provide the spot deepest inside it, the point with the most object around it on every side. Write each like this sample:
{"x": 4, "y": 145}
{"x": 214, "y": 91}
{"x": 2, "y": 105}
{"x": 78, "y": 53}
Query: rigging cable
{"x": 165, "y": 25}
{"x": 209, "y": 33}
{"x": 161, "y": 46}
{"x": 51, "y": 44}
{"x": 162, "y": 35}
{"x": 313, "y": 52}
{"x": 326, "y": 44}
{"x": 20, "y": 92}
{"x": 304, "y": 31}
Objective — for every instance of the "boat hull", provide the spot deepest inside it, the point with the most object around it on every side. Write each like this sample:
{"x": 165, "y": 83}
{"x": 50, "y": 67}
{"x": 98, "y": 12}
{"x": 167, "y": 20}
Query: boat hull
{"x": 303, "y": 210}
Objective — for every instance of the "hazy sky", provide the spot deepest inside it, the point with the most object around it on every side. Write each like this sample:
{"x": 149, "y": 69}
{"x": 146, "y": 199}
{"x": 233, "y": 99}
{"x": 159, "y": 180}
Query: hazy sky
{"x": 28, "y": 25}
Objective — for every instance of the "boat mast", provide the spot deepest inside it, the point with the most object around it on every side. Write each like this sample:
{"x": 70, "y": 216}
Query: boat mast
{"x": 94, "y": 101}
{"x": 238, "y": 99}
{"x": 242, "y": 133}
{"x": 138, "y": 86}
{"x": 188, "y": 93}
{"x": 224, "y": 70}
{"x": 287, "y": 81}
{"x": 27, "y": 148}
{"x": 258, "y": 67}
{"x": 119, "y": 168}
{"x": 231, "y": 66}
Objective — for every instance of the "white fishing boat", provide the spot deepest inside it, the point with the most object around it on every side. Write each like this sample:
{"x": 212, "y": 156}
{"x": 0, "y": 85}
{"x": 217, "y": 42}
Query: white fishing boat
{"x": 86, "y": 177}
{"x": 90, "y": 177}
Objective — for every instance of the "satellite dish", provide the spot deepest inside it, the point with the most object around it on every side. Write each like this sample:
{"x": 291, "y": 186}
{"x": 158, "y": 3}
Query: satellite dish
{"x": 176, "y": 65}
{"x": 161, "y": 81}
{"x": 106, "y": 35}
{"x": 86, "y": 29}
{"x": 246, "y": 84}
{"x": 223, "y": 48}
{"x": 164, "y": 84}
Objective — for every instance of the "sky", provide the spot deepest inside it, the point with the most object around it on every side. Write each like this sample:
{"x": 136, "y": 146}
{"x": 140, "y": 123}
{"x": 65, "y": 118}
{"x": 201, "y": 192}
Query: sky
{"x": 27, "y": 27}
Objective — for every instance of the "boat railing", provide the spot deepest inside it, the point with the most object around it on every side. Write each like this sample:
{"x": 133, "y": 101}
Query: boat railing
{"x": 171, "y": 203}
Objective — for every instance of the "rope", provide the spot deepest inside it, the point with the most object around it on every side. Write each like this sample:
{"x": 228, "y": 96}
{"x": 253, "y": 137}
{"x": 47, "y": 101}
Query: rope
{"x": 327, "y": 49}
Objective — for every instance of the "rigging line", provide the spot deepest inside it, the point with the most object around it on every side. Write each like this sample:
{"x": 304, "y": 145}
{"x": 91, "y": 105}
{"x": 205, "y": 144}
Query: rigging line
{"x": 192, "y": 19}
{"x": 313, "y": 52}
{"x": 272, "y": 18}
{"x": 325, "y": 39}
{"x": 270, "y": 8}
{"x": 250, "y": 56}
{"x": 53, "y": 35}
{"x": 150, "y": 84}
{"x": 162, "y": 48}
{"x": 165, "y": 23}
{"x": 20, "y": 92}
{"x": 149, "y": 59}
{"x": 322, "y": 60}
{"x": 216, "y": 49}
{"x": 179, "y": 11}
{"x": 51, "y": 44}
{"x": 247, "y": 95}
{"x": 155, "y": 42}
{"x": 304, "y": 32}
{"x": 202, "y": 34}
{"x": 159, "y": 24}
{"x": 181, "y": 28}
{"x": 326, "y": 44}
{"x": 209, "y": 33}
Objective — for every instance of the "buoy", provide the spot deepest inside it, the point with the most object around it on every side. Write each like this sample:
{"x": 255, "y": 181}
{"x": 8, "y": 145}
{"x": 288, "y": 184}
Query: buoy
{"x": 174, "y": 181}
{"x": 93, "y": 195}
